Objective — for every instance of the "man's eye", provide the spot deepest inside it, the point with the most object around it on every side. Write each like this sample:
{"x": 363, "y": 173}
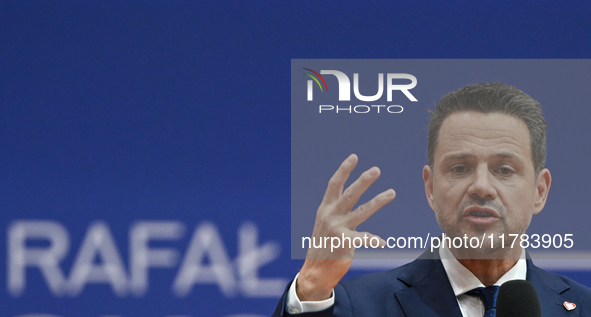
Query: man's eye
{"x": 505, "y": 171}
{"x": 459, "y": 169}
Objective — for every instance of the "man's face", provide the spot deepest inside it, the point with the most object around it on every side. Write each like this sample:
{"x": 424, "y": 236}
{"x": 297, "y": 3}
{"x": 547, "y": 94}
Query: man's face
{"x": 483, "y": 179}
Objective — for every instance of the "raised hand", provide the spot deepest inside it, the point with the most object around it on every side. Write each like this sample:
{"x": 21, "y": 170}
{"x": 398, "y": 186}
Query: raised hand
{"x": 325, "y": 267}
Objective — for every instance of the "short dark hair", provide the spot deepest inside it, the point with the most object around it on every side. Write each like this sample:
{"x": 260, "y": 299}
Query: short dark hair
{"x": 492, "y": 98}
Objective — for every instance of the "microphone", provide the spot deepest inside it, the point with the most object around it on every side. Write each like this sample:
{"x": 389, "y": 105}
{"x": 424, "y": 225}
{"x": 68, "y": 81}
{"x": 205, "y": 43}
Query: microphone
{"x": 518, "y": 298}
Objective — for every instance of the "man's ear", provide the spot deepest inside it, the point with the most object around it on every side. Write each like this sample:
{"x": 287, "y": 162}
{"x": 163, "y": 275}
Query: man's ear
{"x": 541, "y": 190}
{"x": 428, "y": 179}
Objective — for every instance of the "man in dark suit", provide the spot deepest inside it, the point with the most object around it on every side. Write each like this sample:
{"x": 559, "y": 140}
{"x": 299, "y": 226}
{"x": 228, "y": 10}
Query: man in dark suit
{"x": 486, "y": 177}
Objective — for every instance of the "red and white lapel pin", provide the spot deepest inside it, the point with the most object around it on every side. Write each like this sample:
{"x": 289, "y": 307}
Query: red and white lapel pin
{"x": 569, "y": 305}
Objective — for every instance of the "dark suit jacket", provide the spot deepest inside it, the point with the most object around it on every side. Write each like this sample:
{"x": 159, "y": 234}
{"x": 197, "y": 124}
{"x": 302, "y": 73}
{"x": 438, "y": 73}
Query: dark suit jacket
{"x": 422, "y": 289}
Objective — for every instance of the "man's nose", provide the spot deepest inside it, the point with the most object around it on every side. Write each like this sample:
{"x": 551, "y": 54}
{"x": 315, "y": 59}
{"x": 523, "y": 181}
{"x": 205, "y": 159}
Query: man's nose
{"x": 482, "y": 184}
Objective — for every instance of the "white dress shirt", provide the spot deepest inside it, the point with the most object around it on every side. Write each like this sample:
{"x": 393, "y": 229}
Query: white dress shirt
{"x": 295, "y": 306}
{"x": 460, "y": 278}
{"x": 462, "y": 281}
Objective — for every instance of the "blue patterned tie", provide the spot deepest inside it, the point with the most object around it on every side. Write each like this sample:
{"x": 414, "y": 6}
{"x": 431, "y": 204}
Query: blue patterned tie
{"x": 488, "y": 295}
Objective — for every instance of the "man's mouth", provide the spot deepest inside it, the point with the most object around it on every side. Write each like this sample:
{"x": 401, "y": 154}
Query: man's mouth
{"x": 479, "y": 215}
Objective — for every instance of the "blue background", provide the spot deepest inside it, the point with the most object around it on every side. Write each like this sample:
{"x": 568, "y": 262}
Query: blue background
{"x": 177, "y": 110}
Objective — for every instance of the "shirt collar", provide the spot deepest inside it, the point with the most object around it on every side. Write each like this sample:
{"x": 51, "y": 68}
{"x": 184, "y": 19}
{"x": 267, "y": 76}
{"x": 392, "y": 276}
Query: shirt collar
{"x": 462, "y": 280}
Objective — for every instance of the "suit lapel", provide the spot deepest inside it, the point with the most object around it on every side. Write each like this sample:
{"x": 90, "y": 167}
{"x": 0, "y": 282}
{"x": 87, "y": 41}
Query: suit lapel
{"x": 429, "y": 292}
{"x": 550, "y": 291}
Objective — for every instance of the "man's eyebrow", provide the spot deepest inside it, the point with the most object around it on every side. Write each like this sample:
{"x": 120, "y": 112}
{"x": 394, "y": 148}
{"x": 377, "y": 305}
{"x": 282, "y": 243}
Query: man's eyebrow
{"x": 509, "y": 155}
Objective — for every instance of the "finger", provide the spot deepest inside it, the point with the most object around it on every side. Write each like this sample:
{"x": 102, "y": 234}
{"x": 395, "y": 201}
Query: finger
{"x": 352, "y": 194}
{"x": 337, "y": 181}
{"x": 366, "y": 210}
